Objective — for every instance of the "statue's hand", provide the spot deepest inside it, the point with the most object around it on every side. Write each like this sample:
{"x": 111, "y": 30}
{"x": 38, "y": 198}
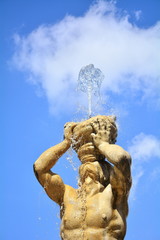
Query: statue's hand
{"x": 68, "y": 131}
{"x": 102, "y": 133}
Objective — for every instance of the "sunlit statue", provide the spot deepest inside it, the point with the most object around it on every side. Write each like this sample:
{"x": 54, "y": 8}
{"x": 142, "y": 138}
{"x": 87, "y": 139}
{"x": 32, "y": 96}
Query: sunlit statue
{"x": 97, "y": 210}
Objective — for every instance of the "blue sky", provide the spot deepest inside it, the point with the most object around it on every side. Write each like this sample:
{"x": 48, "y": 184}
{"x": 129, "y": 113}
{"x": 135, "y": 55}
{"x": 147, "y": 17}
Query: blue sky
{"x": 44, "y": 44}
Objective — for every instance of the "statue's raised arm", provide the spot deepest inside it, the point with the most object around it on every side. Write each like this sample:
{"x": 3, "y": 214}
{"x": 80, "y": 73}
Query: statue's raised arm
{"x": 120, "y": 176}
{"x": 52, "y": 182}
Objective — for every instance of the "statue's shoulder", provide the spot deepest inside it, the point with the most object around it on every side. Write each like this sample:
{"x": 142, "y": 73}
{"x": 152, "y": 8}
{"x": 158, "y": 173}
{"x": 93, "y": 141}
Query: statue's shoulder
{"x": 70, "y": 191}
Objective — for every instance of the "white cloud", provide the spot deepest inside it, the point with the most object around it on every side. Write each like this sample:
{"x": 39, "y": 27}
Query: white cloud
{"x": 128, "y": 56}
{"x": 143, "y": 148}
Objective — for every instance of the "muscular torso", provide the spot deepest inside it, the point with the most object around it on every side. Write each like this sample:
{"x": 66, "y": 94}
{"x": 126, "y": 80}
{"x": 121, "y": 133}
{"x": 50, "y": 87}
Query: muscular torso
{"x": 91, "y": 218}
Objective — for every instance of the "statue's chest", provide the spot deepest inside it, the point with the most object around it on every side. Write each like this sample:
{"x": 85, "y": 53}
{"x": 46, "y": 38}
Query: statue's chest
{"x": 99, "y": 209}
{"x": 89, "y": 212}
{"x": 74, "y": 213}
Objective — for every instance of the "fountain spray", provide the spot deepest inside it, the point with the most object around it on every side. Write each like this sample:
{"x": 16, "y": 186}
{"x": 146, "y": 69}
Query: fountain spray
{"x": 89, "y": 81}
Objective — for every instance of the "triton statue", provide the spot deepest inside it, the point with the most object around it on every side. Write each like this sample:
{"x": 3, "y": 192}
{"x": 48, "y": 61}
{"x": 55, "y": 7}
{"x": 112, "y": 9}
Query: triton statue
{"x": 97, "y": 210}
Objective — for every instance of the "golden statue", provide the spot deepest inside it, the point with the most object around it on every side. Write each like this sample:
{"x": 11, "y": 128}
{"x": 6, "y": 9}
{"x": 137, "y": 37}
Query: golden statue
{"x": 97, "y": 210}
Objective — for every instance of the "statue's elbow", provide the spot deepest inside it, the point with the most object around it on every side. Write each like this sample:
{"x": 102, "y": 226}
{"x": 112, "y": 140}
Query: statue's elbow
{"x": 128, "y": 158}
{"x": 125, "y": 157}
{"x": 36, "y": 170}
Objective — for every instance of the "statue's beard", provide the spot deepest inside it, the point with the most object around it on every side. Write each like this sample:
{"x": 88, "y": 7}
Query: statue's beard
{"x": 93, "y": 172}
{"x": 89, "y": 173}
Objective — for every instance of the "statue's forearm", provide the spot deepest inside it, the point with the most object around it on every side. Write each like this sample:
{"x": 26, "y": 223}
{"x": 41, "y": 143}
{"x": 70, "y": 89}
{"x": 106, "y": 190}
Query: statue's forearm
{"x": 114, "y": 153}
{"x": 49, "y": 158}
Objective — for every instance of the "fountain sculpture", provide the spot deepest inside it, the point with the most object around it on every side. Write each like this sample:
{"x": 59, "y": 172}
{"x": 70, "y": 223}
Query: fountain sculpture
{"x": 97, "y": 210}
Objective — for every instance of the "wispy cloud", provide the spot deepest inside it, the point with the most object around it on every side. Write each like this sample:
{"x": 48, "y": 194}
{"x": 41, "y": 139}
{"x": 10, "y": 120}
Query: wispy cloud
{"x": 143, "y": 148}
{"x": 138, "y": 14}
{"x": 136, "y": 178}
{"x": 129, "y": 56}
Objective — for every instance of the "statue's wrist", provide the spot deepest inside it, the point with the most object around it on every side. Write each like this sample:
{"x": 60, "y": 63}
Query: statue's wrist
{"x": 67, "y": 143}
{"x": 103, "y": 144}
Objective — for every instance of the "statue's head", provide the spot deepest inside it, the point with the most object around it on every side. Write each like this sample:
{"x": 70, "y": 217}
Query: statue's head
{"x": 82, "y": 141}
